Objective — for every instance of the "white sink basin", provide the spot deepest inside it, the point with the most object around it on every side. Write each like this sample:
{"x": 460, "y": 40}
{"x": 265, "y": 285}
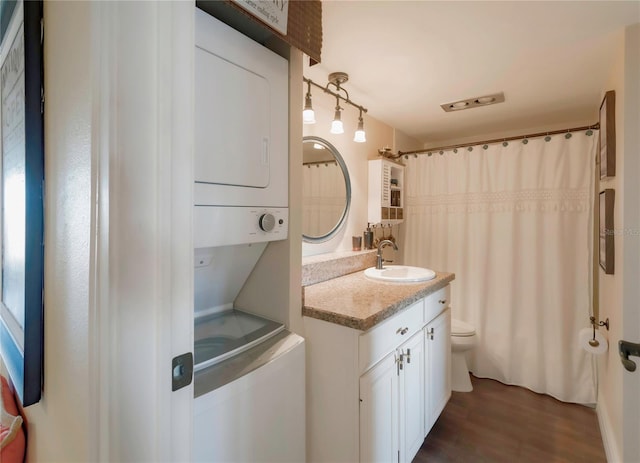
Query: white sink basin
{"x": 400, "y": 274}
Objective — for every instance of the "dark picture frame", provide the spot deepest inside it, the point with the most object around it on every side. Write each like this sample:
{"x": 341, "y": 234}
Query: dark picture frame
{"x": 21, "y": 197}
{"x": 607, "y": 138}
{"x": 606, "y": 231}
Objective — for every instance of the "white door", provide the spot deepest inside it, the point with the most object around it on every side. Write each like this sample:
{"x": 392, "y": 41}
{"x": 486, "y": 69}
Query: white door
{"x": 412, "y": 397}
{"x": 438, "y": 367}
{"x": 142, "y": 295}
{"x": 631, "y": 333}
{"x": 631, "y": 391}
{"x": 631, "y": 240}
{"x": 379, "y": 412}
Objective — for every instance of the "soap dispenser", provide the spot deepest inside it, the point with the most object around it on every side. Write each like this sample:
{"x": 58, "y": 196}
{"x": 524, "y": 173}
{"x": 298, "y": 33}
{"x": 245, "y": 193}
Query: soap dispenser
{"x": 368, "y": 237}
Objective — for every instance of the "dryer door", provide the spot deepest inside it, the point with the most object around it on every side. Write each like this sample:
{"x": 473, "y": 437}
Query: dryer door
{"x": 232, "y": 123}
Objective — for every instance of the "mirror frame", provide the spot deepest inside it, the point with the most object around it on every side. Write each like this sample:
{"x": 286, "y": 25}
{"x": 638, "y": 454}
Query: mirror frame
{"x": 347, "y": 184}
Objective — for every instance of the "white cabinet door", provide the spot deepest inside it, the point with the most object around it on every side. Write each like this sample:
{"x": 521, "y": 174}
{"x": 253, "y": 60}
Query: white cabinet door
{"x": 379, "y": 412}
{"x": 412, "y": 397}
{"x": 437, "y": 367}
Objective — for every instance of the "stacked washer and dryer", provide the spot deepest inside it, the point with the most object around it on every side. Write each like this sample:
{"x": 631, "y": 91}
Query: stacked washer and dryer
{"x": 249, "y": 370}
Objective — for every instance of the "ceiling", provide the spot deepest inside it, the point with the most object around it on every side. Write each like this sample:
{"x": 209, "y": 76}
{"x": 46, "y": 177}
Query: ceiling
{"x": 551, "y": 59}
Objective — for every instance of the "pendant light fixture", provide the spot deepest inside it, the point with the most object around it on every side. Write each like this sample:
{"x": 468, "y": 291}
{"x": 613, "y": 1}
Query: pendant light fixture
{"x": 308, "y": 116}
{"x": 336, "y": 124}
{"x": 336, "y": 79}
{"x": 360, "y": 136}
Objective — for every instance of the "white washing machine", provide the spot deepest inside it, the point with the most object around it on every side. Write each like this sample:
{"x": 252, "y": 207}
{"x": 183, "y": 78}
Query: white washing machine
{"x": 250, "y": 408}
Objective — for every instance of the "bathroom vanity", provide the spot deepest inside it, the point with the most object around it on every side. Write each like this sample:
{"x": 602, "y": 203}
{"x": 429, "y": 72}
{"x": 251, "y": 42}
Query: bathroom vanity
{"x": 378, "y": 366}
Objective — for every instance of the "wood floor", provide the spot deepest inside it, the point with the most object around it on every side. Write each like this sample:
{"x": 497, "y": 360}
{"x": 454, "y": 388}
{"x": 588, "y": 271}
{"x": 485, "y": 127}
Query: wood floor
{"x": 499, "y": 423}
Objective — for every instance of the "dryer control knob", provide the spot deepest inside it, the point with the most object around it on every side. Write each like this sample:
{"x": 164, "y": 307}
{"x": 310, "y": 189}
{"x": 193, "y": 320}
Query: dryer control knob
{"x": 267, "y": 222}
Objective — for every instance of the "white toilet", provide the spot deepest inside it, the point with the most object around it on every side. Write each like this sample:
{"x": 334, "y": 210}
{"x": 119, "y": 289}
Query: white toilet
{"x": 463, "y": 339}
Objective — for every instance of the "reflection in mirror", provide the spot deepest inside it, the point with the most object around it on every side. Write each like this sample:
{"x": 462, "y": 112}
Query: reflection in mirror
{"x": 326, "y": 191}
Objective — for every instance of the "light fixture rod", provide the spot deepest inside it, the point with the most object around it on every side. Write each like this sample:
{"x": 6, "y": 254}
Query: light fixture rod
{"x": 337, "y": 95}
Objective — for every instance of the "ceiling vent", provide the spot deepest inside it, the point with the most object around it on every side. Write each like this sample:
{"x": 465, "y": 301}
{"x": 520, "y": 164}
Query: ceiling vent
{"x": 469, "y": 103}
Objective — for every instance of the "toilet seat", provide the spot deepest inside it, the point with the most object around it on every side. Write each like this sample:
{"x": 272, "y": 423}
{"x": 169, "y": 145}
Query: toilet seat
{"x": 460, "y": 328}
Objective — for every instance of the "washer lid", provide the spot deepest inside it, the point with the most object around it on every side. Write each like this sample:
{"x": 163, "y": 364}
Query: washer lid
{"x": 460, "y": 328}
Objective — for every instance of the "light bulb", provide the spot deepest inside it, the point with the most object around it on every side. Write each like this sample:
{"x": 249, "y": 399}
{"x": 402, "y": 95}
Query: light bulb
{"x": 337, "y": 127}
{"x": 308, "y": 116}
{"x": 359, "y": 136}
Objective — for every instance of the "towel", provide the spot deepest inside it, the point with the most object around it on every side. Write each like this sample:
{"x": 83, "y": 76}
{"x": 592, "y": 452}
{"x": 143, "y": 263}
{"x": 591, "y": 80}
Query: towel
{"x": 12, "y": 439}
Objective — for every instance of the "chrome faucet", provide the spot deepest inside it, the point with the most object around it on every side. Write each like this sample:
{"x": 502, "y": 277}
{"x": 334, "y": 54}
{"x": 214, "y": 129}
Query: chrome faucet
{"x": 380, "y": 260}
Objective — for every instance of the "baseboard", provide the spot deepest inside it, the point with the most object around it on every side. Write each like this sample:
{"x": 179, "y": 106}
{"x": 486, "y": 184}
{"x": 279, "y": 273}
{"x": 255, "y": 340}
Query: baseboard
{"x": 608, "y": 439}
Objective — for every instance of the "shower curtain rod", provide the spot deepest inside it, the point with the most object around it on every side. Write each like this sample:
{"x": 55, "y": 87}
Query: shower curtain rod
{"x": 318, "y": 163}
{"x": 595, "y": 126}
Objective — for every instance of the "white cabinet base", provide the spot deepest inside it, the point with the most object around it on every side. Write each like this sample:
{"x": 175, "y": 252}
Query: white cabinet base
{"x": 361, "y": 406}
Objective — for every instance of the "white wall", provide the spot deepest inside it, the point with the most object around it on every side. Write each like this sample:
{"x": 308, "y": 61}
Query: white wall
{"x": 58, "y": 426}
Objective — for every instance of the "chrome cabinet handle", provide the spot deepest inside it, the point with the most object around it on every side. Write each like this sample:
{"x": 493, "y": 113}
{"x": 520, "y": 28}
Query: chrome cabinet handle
{"x": 431, "y": 334}
{"x": 442, "y": 301}
{"x": 408, "y": 355}
{"x": 402, "y": 331}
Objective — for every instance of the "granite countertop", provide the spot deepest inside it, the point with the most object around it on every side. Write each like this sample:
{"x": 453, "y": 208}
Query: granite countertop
{"x": 357, "y": 302}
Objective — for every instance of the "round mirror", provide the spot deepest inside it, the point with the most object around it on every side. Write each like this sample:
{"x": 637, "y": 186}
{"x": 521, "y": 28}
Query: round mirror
{"x": 326, "y": 190}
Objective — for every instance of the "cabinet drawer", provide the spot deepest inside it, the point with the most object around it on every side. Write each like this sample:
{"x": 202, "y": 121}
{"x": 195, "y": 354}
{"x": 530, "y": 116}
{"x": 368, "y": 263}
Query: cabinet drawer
{"x": 436, "y": 302}
{"x": 382, "y": 339}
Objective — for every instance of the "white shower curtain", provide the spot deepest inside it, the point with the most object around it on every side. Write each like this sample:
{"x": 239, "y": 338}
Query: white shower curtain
{"x": 514, "y": 224}
{"x": 323, "y": 192}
